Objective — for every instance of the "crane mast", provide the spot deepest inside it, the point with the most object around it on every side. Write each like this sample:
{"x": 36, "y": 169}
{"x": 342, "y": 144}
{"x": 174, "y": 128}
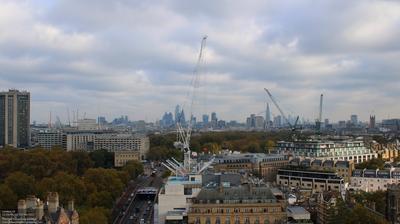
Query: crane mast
{"x": 280, "y": 110}
{"x": 183, "y": 135}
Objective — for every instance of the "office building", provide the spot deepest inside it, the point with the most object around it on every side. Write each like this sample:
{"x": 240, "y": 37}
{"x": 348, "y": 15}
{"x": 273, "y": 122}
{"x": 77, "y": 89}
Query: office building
{"x": 122, "y": 142}
{"x": 278, "y": 121}
{"x": 205, "y": 119}
{"x": 87, "y": 124}
{"x": 267, "y": 117}
{"x": 354, "y": 119}
{"x": 247, "y": 203}
{"x": 328, "y": 150}
{"x": 49, "y": 139}
{"x": 391, "y": 124}
{"x": 15, "y": 118}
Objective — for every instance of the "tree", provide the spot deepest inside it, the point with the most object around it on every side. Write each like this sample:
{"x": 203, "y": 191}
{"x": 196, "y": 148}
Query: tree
{"x": 95, "y": 216}
{"x": 102, "y": 158}
{"x": 8, "y": 199}
{"x": 21, "y": 184}
{"x": 100, "y": 179}
{"x": 101, "y": 199}
{"x": 133, "y": 168}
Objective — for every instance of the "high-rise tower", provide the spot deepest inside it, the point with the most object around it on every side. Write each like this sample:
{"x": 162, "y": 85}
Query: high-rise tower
{"x": 267, "y": 117}
{"x": 15, "y": 118}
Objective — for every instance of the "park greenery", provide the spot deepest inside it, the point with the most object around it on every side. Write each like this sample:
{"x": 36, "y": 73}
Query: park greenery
{"x": 162, "y": 146}
{"x": 87, "y": 178}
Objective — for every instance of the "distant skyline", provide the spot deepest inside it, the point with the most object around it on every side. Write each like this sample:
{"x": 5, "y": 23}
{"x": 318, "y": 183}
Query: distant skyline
{"x": 135, "y": 58}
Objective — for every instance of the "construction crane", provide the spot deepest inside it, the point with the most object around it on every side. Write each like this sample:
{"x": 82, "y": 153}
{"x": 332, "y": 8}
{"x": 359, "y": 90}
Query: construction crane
{"x": 318, "y": 122}
{"x": 292, "y": 127}
{"x": 184, "y": 134}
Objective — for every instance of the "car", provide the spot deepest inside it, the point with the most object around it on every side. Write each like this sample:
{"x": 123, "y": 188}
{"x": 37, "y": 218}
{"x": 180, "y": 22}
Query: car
{"x": 131, "y": 217}
{"x": 142, "y": 221}
{"x": 148, "y": 202}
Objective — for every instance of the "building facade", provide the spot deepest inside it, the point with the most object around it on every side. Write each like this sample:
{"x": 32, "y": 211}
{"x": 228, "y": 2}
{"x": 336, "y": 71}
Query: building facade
{"x": 310, "y": 180}
{"x": 328, "y": 150}
{"x": 265, "y": 165}
{"x": 370, "y": 180}
{"x": 48, "y": 139}
{"x": 242, "y": 204}
{"x": 15, "y": 118}
{"x": 342, "y": 168}
{"x": 393, "y": 203}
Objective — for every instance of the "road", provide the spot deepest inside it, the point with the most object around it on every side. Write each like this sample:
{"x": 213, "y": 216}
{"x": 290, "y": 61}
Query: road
{"x": 136, "y": 208}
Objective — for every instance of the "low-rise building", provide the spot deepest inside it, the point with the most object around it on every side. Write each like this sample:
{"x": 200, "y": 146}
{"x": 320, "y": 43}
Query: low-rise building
{"x": 265, "y": 165}
{"x": 342, "y": 168}
{"x": 122, "y": 157}
{"x": 310, "y": 180}
{"x": 297, "y": 214}
{"x": 241, "y": 204}
{"x": 328, "y": 150}
{"x": 371, "y": 180}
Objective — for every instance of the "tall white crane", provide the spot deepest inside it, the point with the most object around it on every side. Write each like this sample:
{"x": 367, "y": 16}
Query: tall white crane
{"x": 184, "y": 134}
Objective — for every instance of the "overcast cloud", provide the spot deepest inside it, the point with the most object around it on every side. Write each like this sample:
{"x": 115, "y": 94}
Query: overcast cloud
{"x": 136, "y": 58}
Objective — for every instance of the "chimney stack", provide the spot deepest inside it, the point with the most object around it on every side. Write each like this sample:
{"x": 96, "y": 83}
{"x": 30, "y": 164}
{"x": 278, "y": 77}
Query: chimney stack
{"x": 21, "y": 206}
{"x": 52, "y": 201}
{"x": 39, "y": 210}
{"x": 71, "y": 206}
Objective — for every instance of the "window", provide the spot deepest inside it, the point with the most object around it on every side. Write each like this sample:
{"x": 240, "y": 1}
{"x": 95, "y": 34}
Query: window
{"x": 217, "y": 220}
{"x": 208, "y": 220}
{"x": 197, "y": 220}
{"x": 237, "y": 220}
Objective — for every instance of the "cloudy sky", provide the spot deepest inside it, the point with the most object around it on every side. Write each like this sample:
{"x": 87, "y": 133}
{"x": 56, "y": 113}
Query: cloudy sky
{"x": 137, "y": 57}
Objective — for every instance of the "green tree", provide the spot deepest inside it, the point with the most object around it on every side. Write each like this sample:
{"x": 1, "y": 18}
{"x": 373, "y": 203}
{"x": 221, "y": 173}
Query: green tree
{"x": 8, "y": 199}
{"x": 102, "y": 158}
{"x": 95, "y": 216}
{"x": 21, "y": 184}
{"x": 100, "y": 179}
{"x": 133, "y": 168}
{"x": 101, "y": 199}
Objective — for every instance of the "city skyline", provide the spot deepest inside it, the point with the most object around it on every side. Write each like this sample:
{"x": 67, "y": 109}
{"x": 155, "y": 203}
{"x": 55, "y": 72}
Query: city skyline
{"x": 71, "y": 57}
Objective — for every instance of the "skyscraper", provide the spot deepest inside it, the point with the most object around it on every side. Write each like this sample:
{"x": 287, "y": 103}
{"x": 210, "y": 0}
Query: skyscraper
{"x": 177, "y": 113}
{"x": 354, "y": 119}
{"x": 267, "y": 117}
{"x": 205, "y": 118}
{"x": 15, "y": 118}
